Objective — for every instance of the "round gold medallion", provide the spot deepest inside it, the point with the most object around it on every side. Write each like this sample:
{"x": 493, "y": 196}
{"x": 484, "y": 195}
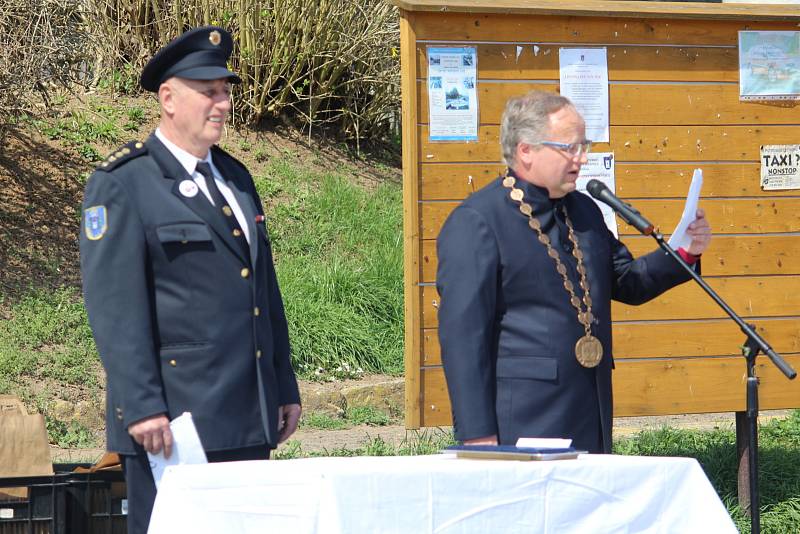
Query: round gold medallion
{"x": 517, "y": 194}
{"x": 589, "y": 351}
{"x": 509, "y": 181}
{"x": 215, "y": 38}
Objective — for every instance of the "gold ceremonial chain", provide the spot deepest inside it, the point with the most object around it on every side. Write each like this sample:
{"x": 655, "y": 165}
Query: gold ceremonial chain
{"x": 588, "y": 349}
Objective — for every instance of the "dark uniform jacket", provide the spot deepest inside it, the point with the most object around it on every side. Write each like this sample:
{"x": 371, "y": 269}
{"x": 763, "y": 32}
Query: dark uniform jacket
{"x": 184, "y": 320}
{"x": 506, "y": 326}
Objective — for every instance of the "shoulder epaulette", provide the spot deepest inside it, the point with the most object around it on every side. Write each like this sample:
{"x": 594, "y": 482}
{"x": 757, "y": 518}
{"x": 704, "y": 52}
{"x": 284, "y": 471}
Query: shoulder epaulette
{"x": 125, "y": 153}
{"x": 217, "y": 150}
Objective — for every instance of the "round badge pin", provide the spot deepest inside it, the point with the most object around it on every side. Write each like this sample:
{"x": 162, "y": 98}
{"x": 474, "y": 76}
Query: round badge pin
{"x": 188, "y": 188}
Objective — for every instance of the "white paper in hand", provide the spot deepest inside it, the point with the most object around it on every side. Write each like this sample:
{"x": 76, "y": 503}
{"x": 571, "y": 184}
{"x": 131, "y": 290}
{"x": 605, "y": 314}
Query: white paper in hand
{"x": 679, "y": 238}
{"x": 186, "y": 447}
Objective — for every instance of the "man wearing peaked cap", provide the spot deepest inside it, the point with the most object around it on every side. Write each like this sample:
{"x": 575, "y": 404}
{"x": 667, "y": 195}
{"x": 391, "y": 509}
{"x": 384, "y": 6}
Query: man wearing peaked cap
{"x": 199, "y": 54}
{"x": 179, "y": 281}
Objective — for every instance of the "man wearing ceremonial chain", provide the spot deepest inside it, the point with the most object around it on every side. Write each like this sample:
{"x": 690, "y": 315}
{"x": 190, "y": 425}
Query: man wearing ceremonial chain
{"x": 527, "y": 271}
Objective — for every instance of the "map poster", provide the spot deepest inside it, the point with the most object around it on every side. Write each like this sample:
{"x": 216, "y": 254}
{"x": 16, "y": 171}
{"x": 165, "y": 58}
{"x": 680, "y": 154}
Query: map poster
{"x": 452, "y": 94}
{"x": 769, "y": 65}
{"x": 780, "y": 167}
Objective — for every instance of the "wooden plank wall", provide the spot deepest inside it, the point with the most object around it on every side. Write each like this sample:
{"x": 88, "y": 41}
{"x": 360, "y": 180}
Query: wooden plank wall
{"x": 674, "y": 106}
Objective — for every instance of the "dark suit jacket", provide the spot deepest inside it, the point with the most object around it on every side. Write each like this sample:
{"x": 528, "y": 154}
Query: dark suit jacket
{"x": 507, "y": 329}
{"x": 172, "y": 311}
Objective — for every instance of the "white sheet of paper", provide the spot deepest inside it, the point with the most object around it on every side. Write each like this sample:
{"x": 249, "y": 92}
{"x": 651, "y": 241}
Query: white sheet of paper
{"x": 544, "y": 443}
{"x": 679, "y": 238}
{"x": 186, "y": 447}
{"x": 600, "y": 166}
{"x": 583, "y": 73}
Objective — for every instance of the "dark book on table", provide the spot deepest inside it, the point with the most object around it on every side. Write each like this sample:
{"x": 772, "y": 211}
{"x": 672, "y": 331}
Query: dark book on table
{"x": 510, "y": 452}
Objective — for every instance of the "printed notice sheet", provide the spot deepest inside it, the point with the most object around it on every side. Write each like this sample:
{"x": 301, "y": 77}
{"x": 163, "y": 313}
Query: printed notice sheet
{"x": 769, "y": 65}
{"x": 584, "y": 80}
{"x": 600, "y": 167}
{"x": 780, "y": 167}
{"x": 452, "y": 94}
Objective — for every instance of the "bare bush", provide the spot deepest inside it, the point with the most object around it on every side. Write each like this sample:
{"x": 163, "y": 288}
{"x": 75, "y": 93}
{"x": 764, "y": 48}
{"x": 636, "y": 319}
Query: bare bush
{"x": 40, "y": 48}
{"x": 318, "y": 62}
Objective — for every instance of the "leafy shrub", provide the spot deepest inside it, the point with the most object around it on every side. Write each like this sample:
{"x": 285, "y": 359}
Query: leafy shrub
{"x": 313, "y": 63}
{"x": 41, "y": 50}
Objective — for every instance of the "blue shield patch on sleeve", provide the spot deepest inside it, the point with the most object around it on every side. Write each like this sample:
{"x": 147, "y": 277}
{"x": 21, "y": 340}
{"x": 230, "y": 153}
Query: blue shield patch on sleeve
{"x": 95, "y": 222}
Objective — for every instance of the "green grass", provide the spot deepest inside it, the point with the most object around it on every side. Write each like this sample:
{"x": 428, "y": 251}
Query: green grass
{"x": 416, "y": 443}
{"x": 47, "y": 336}
{"x": 339, "y": 260}
{"x": 72, "y": 435}
{"x": 338, "y": 251}
{"x": 359, "y": 415}
{"x": 323, "y": 421}
{"x": 46, "y": 348}
{"x": 96, "y": 124}
{"x": 125, "y": 81}
{"x": 81, "y": 130}
{"x": 779, "y": 467}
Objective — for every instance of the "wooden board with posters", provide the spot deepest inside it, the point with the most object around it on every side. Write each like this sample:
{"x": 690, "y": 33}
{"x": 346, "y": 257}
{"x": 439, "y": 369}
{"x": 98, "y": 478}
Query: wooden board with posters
{"x": 673, "y": 106}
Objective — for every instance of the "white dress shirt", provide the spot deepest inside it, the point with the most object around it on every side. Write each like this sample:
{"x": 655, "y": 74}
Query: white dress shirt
{"x": 189, "y": 162}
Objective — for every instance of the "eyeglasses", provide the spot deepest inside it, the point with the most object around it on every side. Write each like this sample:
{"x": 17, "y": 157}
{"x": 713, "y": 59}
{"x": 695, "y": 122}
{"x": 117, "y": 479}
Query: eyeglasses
{"x": 574, "y": 149}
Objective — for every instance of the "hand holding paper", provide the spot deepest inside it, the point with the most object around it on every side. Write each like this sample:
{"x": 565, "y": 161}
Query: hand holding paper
{"x": 679, "y": 237}
{"x": 187, "y": 448}
{"x": 700, "y": 233}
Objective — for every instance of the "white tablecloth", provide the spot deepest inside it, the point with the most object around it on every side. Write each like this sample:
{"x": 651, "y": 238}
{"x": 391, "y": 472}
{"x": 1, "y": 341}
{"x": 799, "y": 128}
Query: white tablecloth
{"x": 440, "y": 494}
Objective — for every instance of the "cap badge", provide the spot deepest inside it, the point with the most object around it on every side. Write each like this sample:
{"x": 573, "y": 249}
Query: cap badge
{"x": 188, "y": 188}
{"x": 215, "y": 38}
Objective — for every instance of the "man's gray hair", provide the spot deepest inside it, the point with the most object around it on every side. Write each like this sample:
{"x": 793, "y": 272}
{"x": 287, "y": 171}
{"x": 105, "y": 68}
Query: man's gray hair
{"x": 526, "y": 119}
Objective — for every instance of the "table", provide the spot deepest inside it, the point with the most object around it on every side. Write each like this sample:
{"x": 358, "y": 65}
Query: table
{"x": 440, "y": 494}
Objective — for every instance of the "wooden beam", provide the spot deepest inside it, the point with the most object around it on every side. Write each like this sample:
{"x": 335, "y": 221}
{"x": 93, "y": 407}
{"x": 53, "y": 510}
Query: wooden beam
{"x": 625, "y": 62}
{"x": 594, "y": 8}
{"x": 456, "y": 181}
{"x": 634, "y": 143}
{"x": 728, "y": 216}
{"x": 413, "y": 345}
{"x": 576, "y": 31}
{"x": 672, "y": 339}
{"x": 646, "y": 105}
{"x": 750, "y": 296}
{"x": 661, "y": 387}
{"x": 740, "y": 255}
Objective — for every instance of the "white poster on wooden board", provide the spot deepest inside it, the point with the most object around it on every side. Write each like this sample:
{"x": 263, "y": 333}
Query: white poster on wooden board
{"x": 583, "y": 73}
{"x": 780, "y": 167}
{"x": 600, "y": 166}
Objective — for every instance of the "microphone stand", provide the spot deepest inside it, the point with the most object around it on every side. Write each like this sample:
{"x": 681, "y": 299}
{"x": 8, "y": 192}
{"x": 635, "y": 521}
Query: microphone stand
{"x": 753, "y": 344}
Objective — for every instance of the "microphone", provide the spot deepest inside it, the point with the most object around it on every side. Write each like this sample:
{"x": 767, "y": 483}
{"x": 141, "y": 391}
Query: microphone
{"x": 627, "y": 212}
